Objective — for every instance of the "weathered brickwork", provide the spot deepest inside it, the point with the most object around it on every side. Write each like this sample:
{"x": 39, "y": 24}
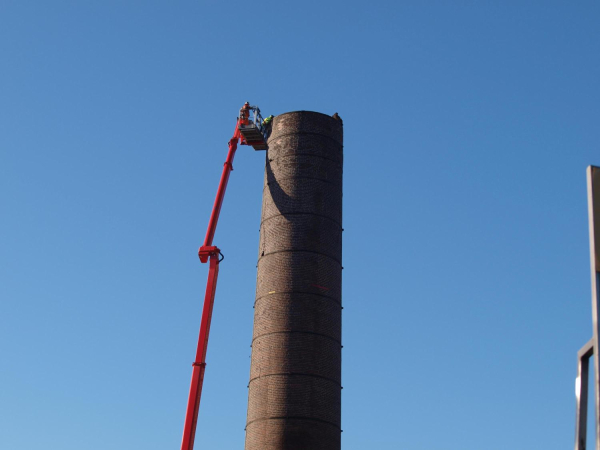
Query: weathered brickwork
{"x": 294, "y": 400}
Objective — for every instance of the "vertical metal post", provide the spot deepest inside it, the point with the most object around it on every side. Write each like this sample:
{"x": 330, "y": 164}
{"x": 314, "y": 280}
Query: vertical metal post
{"x": 593, "y": 179}
{"x": 581, "y": 394}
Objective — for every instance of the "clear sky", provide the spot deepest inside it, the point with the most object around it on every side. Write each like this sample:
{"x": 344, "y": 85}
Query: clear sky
{"x": 468, "y": 128}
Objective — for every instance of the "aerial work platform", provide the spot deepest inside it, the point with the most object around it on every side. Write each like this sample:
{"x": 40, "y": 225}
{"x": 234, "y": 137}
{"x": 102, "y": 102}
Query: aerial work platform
{"x": 252, "y": 128}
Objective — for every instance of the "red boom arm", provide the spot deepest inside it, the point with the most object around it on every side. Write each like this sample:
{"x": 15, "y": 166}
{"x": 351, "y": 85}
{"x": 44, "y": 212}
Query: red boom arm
{"x": 207, "y": 252}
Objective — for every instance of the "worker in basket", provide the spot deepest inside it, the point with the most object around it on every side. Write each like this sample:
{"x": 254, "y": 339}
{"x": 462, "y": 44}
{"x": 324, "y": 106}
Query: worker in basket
{"x": 245, "y": 114}
{"x": 267, "y": 125}
{"x": 267, "y": 122}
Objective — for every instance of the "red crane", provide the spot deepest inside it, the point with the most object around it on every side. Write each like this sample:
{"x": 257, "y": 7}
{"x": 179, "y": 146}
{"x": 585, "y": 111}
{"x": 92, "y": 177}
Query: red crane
{"x": 249, "y": 130}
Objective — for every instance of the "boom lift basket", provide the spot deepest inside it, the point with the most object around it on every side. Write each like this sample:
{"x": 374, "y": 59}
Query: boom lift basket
{"x": 254, "y": 132}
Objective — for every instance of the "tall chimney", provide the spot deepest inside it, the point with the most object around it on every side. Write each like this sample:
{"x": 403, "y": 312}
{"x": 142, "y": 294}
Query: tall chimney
{"x": 294, "y": 399}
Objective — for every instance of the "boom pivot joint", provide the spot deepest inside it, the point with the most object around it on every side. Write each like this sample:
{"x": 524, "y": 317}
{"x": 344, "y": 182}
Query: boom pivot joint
{"x": 206, "y": 251}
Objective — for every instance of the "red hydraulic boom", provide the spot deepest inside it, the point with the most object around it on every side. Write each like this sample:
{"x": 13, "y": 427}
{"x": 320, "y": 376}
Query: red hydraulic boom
{"x": 249, "y": 130}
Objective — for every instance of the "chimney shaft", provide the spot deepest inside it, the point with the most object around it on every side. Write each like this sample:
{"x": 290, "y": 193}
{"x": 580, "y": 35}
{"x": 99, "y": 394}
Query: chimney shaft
{"x": 294, "y": 399}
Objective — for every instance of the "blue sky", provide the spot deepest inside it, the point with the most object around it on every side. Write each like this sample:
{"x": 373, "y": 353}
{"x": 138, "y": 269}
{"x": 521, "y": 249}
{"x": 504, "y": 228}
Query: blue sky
{"x": 468, "y": 128}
